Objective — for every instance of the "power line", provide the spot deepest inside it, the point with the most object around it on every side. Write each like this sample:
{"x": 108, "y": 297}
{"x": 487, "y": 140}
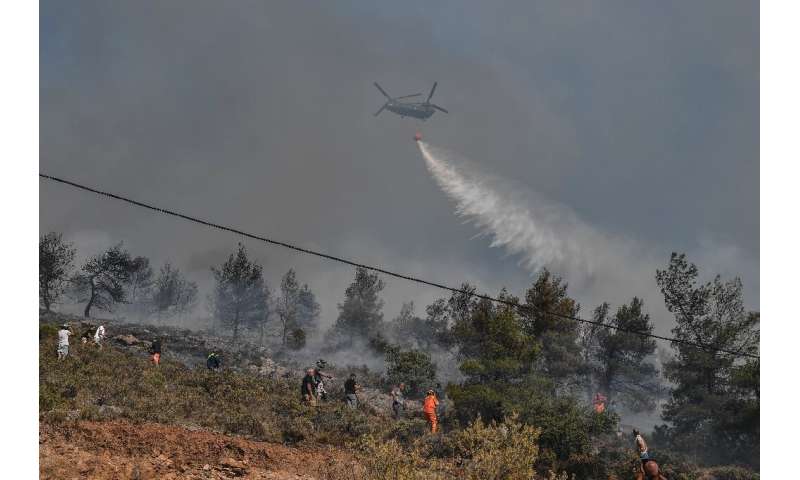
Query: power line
{"x": 389, "y": 272}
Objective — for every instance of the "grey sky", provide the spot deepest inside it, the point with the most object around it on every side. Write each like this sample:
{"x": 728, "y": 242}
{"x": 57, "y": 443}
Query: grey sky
{"x": 641, "y": 117}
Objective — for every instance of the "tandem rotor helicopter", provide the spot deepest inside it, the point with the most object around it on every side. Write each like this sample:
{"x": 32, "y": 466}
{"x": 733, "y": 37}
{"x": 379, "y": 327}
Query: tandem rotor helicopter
{"x": 420, "y": 110}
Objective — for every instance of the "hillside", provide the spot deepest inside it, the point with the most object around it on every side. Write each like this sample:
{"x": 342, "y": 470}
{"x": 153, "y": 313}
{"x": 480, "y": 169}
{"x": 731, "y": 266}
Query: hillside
{"x": 110, "y": 413}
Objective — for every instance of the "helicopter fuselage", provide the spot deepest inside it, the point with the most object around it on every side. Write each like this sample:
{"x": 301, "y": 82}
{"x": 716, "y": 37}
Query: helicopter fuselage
{"x": 408, "y": 109}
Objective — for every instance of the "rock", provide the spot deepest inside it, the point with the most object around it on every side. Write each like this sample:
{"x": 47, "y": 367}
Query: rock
{"x": 206, "y": 467}
{"x": 127, "y": 340}
{"x": 109, "y": 411}
{"x": 234, "y": 466}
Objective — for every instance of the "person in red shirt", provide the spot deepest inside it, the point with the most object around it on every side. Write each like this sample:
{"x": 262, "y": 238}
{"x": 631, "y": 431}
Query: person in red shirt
{"x": 429, "y": 409}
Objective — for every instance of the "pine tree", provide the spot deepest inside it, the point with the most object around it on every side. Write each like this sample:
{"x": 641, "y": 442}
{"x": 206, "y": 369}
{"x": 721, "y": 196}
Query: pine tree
{"x": 619, "y": 360}
{"x": 240, "y": 297}
{"x": 546, "y": 305}
{"x": 360, "y": 315}
{"x": 713, "y": 408}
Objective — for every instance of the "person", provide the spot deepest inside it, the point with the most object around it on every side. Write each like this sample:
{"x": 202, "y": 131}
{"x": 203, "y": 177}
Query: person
{"x": 599, "y": 403}
{"x": 213, "y": 361}
{"x": 63, "y": 341}
{"x": 319, "y": 380}
{"x": 99, "y": 335}
{"x": 350, "y": 391}
{"x": 155, "y": 349}
{"x": 398, "y": 402}
{"x": 429, "y": 409}
{"x": 648, "y": 468}
{"x": 308, "y": 388}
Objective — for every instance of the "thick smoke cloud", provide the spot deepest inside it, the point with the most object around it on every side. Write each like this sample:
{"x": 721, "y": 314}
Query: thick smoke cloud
{"x": 642, "y": 119}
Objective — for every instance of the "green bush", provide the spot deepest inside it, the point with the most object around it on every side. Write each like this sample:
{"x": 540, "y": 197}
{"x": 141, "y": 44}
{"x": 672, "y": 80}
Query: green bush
{"x": 412, "y": 367}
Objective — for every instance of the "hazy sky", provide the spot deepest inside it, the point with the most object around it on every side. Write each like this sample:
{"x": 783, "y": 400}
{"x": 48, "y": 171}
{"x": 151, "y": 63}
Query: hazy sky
{"x": 641, "y": 117}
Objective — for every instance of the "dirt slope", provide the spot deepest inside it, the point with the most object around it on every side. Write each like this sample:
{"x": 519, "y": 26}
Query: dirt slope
{"x": 123, "y": 450}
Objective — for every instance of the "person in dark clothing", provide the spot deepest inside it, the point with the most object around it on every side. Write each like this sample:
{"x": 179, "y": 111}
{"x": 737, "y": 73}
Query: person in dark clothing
{"x": 308, "y": 389}
{"x": 155, "y": 349}
{"x": 350, "y": 391}
{"x": 213, "y": 361}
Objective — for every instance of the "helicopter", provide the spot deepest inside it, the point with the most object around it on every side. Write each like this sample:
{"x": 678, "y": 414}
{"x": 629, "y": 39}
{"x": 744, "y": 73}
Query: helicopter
{"x": 420, "y": 110}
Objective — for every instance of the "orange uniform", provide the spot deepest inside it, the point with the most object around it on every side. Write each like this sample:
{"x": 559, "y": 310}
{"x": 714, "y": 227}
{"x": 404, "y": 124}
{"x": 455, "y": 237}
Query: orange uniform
{"x": 429, "y": 409}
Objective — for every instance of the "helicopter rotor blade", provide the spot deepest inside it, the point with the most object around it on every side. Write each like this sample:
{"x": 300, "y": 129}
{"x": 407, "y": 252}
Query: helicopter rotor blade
{"x": 382, "y": 90}
{"x": 433, "y": 89}
{"x": 437, "y": 107}
{"x": 409, "y": 96}
{"x": 380, "y": 110}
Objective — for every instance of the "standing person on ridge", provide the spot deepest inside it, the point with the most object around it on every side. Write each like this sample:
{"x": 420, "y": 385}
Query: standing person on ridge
{"x": 99, "y": 335}
{"x": 63, "y": 341}
{"x": 429, "y": 409}
{"x": 351, "y": 392}
{"x": 308, "y": 388}
{"x": 398, "y": 401}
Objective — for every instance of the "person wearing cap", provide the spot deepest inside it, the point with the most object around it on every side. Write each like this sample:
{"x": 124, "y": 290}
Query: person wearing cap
{"x": 429, "y": 409}
{"x": 319, "y": 380}
{"x": 63, "y": 341}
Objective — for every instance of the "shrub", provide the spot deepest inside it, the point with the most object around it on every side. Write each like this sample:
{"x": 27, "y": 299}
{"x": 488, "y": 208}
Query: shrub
{"x": 506, "y": 450}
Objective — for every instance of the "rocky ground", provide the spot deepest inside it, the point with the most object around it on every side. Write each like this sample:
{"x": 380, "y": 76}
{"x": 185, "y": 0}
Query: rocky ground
{"x": 120, "y": 449}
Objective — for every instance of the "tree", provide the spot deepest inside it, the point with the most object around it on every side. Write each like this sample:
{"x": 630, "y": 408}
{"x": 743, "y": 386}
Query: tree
{"x": 141, "y": 281}
{"x": 499, "y": 358}
{"x": 496, "y": 356}
{"x": 172, "y": 293}
{"x": 546, "y": 306}
{"x": 288, "y": 304}
{"x": 102, "y": 279}
{"x": 408, "y": 330}
{"x": 360, "y": 315}
{"x": 240, "y": 297}
{"x": 307, "y": 310}
{"x": 55, "y": 266}
{"x": 412, "y": 367}
{"x": 619, "y": 359}
{"x": 713, "y": 408}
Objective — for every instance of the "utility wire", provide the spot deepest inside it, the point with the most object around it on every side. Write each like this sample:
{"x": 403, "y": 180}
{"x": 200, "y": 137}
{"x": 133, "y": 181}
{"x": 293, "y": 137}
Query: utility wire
{"x": 390, "y": 273}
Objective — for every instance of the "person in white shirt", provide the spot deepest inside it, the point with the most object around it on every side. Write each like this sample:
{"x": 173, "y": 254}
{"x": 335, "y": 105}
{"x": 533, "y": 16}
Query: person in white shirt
{"x": 99, "y": 335}
{"x": 63, "y": 341}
